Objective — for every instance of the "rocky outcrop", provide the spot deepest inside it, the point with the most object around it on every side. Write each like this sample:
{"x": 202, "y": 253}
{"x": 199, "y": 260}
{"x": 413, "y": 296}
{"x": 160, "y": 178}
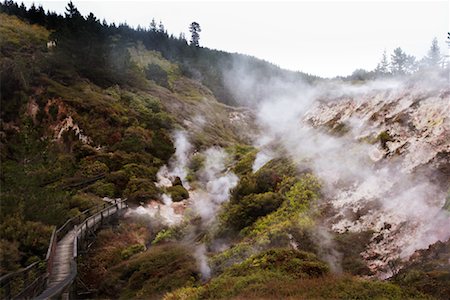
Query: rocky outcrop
{"x": 407, "y": 132}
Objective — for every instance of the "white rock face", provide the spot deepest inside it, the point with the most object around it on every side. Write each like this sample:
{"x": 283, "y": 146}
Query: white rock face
{"x": 401, "y": 196}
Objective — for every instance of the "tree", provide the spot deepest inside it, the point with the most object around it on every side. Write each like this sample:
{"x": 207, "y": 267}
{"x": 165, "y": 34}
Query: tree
{"x": 161, "y": 27}
{"x": 195, "y": 29}
{"x": 153, "y": 26}
{"x": 71, "y": 11}
{"x": 434, "y": 57}
{"x": 398, "y": 61}
{"x": 383, "y": 66}
{"x": 402, "y": 63}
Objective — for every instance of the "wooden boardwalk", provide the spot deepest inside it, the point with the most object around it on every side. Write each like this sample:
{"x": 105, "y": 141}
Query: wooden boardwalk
{"x": 62, "y": 273}
{"x": 61, "y": 262}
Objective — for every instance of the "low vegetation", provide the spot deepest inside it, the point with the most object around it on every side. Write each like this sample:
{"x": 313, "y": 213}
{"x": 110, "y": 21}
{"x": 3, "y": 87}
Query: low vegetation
{"x": 284, "y": 273}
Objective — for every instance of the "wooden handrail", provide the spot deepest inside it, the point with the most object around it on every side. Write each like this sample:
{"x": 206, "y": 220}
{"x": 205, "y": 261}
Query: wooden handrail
{"x": 43, "y": 268}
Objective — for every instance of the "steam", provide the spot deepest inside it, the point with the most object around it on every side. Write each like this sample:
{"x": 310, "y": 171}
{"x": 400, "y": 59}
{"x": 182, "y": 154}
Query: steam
{"x": 262, "y": 157}
{"x": 202, "y": 261}
{"x": 216, "y": 181}
{"x": 164, "y": 213}
{"x": 327, "y": 250}
{"x": 179, "y": 163}
{"x": 365, "y": 190}
{"x": 213, "y": 188}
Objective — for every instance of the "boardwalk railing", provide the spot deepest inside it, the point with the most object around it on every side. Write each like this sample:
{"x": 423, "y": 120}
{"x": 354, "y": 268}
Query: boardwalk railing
{"x": 32, "y": 280}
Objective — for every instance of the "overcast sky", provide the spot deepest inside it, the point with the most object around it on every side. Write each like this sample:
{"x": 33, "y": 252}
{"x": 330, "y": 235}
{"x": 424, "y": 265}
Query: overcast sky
{"x": 322, "y": 38}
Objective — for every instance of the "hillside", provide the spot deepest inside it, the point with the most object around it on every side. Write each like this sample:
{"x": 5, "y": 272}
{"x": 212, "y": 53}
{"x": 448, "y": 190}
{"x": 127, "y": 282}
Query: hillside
{"x": 301, "y": 189}
{"x": 58, "y": 133}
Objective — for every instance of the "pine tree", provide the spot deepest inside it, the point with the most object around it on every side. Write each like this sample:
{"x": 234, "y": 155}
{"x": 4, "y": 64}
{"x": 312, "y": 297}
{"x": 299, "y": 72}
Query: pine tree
{"x": 153, "y": 27}
{"x": 398, "y": 62}
{"x": 161, "y": 27}
{"x": 195, "y": 29}
{"x": 383, "y": 66}
{"x": 71, "y": 11}
{"x": 434, "y": 54}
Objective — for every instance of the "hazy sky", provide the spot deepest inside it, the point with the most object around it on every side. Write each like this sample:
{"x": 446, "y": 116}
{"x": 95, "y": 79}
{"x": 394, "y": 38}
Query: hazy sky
{"x": 323, "y": 38}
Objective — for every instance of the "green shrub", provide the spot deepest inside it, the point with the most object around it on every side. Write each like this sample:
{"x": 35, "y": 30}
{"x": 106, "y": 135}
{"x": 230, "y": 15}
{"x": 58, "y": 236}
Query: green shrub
{"x": 157, "y": 74}
{"x": 229, "y": 257}
{"x": 171, "y": 234}
{"x": 384, "y": 137}
{"x": 293, "y": 216}
{"x": 265, "y": 284}
{"x": 246, "y": 186}
{"x": 249, "y": 208}
{"x": 296, "y": 264}
{"x": 353, "y": 244}
{"x": 142, "y": 171}
{"x": 140, "y": 190}
{"x": 177, "y": 181}
{"x": 162, "y": 146}
{"x": 158, "y": 270}
{"x": 266, "y": 179}
{"x": 119, "y": 179}
{"x": 136, "y": 139}
{"x": 9, "y": 256}
{"x": 178, "y": 193}
{"x": 102, "y": 189}
{"x": 32, "y": 238}
{"x": 82, "y": 150}
{"x": 132, "y": 250}
{"x": 83, "y": 201}
{"x": 245, "y": 156}
{"x": 90, "y": 168}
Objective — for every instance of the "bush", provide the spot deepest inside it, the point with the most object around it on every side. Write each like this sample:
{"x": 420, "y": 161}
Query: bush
{"x": 178, "y": 193}
{"x": 140, "y": 190}
{"x": 296, "y": 264}
{"x": 120, "y": 180}
{"x": 83, "y": 201}
{"x": 271, "y": 285}
{"x": 132, "y": 250}
{"x": 90, "y": 168}
{"x": 157, "y": 74}
{"x": 103, "y": 189}
{"x": 142, "y": 171}
{"x": 293, "y": 216}
{"x": 384, "y": 137}
{"x": 162, "y": 146}
{"x": 9, "y": 256}
{"x": 136, "y": 139}
{"x": 352, "y": 244}
{"x": 249, "y": 208}
{"x": 151, "y": 273}
{"x": 32, "y": 238}
{"x": 231, "y": 256}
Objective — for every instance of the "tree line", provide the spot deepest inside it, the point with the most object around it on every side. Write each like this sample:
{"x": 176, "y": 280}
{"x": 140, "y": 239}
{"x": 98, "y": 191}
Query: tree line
{"x": 98, "y": 50}
{"x": 400, "y": 63}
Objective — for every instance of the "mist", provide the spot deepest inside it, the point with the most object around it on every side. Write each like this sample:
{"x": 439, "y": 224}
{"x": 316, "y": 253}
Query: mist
{"x": 178, "y": 164}
{"x": 361, "y": 177}
{"x": 216, "y": 182}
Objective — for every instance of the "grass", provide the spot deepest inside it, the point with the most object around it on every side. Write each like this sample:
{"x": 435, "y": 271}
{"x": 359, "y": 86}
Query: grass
{"x": 22, "y": 36}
